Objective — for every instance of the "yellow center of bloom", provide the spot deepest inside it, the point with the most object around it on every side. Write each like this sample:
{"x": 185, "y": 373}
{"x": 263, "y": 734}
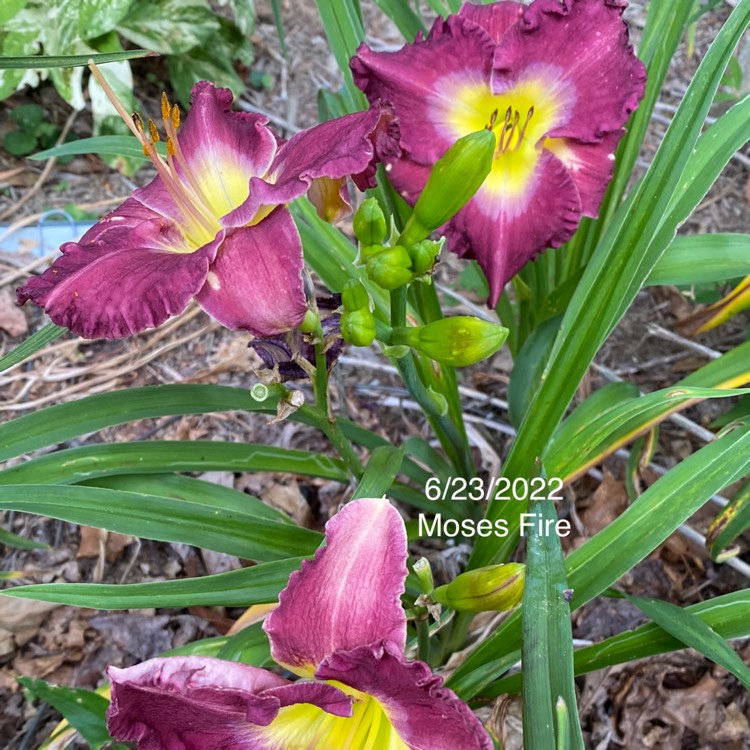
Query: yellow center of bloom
{"x": 520, "y": 117}
{"x": 307, "y": 727}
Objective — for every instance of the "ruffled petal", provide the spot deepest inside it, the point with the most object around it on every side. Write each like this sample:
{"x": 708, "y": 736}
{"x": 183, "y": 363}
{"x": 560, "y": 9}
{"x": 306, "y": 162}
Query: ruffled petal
{"x": 425, "y": 715}
{"x": 504, "y": 232}
{"x": 590, "y": 166}
{"x": 195, "y": 703}
{"x": 344, "y": 147}
{"x": 349, "y": 595}
{"x": 255, "y": 283}
{"x": 130, "y": 272}
{"x": 580, "y": 47}
{"x": 421, "y": 80}
{"x": 495, "y": 18}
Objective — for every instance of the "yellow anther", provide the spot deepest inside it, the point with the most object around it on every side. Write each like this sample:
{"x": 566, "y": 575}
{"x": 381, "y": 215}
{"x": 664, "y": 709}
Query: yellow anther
{"x": 171, "y": 150}
{"x": 175, "y": 117}
{"x": 165, "y": 107}
{"x": 153, "y": 131}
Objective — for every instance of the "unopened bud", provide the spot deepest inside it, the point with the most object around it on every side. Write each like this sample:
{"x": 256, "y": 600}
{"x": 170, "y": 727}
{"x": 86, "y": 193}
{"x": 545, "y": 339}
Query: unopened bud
{"x": 354, "y": 296}
{"x": 358, "y": 327}
{"x": 493, "y": 588}
{"x": 454, "y": 179}
{"x": 390, "y": 268}
{"x": 423, "y": 256}
{"x": 424, "y": 573}
{"x": 459, "y": 341}
{"x": 369, "y": 223}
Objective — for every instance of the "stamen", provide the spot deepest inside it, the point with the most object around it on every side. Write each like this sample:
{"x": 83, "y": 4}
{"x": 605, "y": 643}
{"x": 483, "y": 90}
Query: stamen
{"x": 511, "y": 130}
{"x": 493, "y": 117}
{"x": 155, "y": 137}
{"x": 196, "y": 219}
{"x": 522, "y": 131}
{"x": 171, "y": 147}
{"x": 175, "y": 117}
{"x": 165, "y": 107}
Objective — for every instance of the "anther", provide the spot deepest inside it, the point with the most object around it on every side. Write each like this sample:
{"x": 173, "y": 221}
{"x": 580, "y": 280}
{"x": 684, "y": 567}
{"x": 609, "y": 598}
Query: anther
{"x": 171, "y": 150}
{"x": 155, "y": 138}
{"x": 175, "y": 117}
{"x": 165, "y": 107}
{"x": 493, "y": 117}
{"x": 138, "y": 122}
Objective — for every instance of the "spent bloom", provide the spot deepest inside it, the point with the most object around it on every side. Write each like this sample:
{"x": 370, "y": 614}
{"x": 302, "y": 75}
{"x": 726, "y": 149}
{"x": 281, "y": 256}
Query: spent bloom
{"x": 339, "y": 626}
{"x": 213, "y": 224}
{"x": 555, "y": 80}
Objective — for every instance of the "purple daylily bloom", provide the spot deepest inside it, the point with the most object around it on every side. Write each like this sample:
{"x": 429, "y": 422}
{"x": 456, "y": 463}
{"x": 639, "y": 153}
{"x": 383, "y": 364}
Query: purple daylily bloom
{"x": 556, "y": 79}
{"x": 212, "y": 225}
{"x": 341, "y": 627}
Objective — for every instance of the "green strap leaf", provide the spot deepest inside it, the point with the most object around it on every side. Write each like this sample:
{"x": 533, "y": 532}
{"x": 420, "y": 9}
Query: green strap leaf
{"x": 547, "y": 637}
{"x": 693, "y": 632}
{"x": 156, "y": 457}
{"x": 85, "y": 710}
{"x": 31, "y": 345}
{"x": 260, "y": 584}
{"x": 381, "y": 471}
{"x": 702, "y": 259}
{"x": 164, "y": 519}
{"x": 35, "y": 62}
{"x": 109, "y": 145}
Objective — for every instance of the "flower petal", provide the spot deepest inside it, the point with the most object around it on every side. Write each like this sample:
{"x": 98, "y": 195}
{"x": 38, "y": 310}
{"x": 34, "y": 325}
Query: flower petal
{"x": 255, "y": 282}
{"x": 590, "y": 165}
{"x": 337, "y": 601}
{"x": 128, "y": 273}
{"x": 224, "y": 149}
{"x": 346, "y": 146}
{"x": 425, "y": 715}
{"x": 581, "y": 47}
{"x": 195, "y": 703}
{"x": 495, "y": 18}
{"x": 421, "y": 80}
{"x": 503, "y": 232}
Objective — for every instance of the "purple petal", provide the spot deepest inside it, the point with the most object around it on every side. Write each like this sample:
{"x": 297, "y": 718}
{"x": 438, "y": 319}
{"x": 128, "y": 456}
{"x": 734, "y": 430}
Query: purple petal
{"x": 590, "y": 166}
{"x": 195, "y": 703}
{"x": 421, "y": 80}
{"x": 580, "y": 46}
{"x": 504, "y": 232}
{"x": 255, "y": 282}
{"x": 495, "y": 18}
{"x": 349, "y": 595}
{"x": 130, "y": 272}
{"x": 346, "y": 146}
{"x": 425, "y": 715}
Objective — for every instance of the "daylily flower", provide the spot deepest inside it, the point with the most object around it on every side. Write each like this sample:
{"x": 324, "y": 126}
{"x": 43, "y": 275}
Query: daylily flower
{"x": 341, "y": 627}
{"x": 556, "y": 81}
{"x": 212, "y": 225}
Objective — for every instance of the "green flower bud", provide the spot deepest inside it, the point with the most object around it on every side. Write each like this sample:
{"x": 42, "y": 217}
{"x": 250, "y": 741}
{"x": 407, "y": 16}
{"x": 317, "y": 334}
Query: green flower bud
{"x": 390, "y": 268}
{"x": 354, "y": 296}
{"x": 358, "y": 327}
{"x": 369, "y": 223}
{"x": 454, "y": 179}
{"x": 368, "y": 251}
{"x": 423, "y": 256}
{"x": 460, "y": 341}
{"x": 424, "y": 573}
{"x": 493, "y": 588}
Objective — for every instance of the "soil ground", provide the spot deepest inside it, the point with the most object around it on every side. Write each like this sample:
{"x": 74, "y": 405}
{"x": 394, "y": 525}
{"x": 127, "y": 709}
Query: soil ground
{"x": 676, "y": 702}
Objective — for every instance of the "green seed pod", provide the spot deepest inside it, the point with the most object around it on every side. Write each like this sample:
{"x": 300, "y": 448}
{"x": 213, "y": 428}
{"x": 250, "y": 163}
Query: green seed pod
{"x": 354, "y": 296}
{"x": 423, "y": 256}
{"x": 390, "y": 268}
{"x": 358, "y": 327}
{"x": 424, "y": 573}
{"x": 454, "y": 179}
{"x": 459, "y": 341}
{"x": 493, "y": 588}
{"x": 369, "y": 223}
